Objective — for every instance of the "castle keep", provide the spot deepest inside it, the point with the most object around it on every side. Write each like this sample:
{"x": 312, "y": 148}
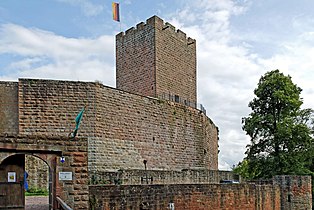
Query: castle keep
{"x": 142, "y": 145}
{"x": 156, "y": 60}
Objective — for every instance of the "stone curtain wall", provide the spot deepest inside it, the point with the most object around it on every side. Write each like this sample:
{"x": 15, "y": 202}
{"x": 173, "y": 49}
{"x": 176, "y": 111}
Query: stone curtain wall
{"x": 123, "y": 129}
{"x": 133, "y": 128}
{"x": 185, "y": 196}
{"x": 154, "y": 59}
{"x": 49, "y": 107}
{"x": 8, "y": 108}
{"x": 210, "y": 150}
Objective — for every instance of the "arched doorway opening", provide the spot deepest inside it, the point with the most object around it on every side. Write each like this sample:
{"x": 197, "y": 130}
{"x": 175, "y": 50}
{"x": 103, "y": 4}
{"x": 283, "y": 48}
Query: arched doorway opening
{"x": 37, "y": 181}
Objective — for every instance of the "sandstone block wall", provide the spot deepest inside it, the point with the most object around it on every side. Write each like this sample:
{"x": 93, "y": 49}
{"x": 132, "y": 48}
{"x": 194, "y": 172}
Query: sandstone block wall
{"x": 286, "y": 192}
{"x": 123, "y": 129}
{"x": 135, "y": 60}
{"x": 296, "y": 192}
{"x": 154, "y": 59}
{"x": 119, "y": 129}
{"x": 8, "y": 108}
{"x": 134, "y": 128}
{"x": 176, "y": 63}
{"x": 49, "y": 107}
{"x": 185, "y": 196}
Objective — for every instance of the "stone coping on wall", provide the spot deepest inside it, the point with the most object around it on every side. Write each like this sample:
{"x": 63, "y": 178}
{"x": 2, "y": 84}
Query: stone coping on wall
{"x": 40, "y": 143}
{"x": 138, "y": 177}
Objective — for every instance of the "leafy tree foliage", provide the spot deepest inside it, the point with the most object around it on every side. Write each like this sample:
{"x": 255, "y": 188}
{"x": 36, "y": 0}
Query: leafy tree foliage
{"x": 281, "y": 132}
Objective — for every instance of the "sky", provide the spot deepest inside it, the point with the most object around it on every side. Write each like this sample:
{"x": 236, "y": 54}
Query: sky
{"x": 238, "y": 41}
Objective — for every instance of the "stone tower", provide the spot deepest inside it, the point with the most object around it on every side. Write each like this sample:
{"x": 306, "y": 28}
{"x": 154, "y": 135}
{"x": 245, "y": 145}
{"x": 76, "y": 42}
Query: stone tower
{"x": 155, "y": 59}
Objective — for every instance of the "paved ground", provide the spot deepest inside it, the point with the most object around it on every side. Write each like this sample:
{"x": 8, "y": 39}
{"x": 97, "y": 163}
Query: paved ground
{"x": 36, "y": 203}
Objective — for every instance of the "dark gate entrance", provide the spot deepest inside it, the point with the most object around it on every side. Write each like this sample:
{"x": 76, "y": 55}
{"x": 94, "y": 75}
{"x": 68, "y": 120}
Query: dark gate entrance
{"x": 12, "y": 182}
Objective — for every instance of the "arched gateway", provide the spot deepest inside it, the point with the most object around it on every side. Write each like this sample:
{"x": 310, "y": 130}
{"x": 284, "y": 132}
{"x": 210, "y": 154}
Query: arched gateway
{"x": 67, "y": 180}
{"x": 13, "y": 178}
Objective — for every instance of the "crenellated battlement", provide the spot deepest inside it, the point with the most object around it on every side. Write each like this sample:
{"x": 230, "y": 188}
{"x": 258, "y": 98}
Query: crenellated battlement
{"x": 150, "y": 23}
{"x": 155, "y": 22}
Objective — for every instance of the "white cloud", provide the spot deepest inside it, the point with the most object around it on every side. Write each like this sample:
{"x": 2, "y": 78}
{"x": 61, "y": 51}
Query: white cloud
{"x": 88, "y": 8}
{"x": 47, "y": 55}
{"x": 223, "y": 165}
{"x": 303, "y": 23}
{"x": 226, "y": 73}
{"x": 296, "y": 59}
{"x": 229, "y": 67}
{"x": 230, "y": 61}
{"x": 127, "y": 2}
{"x": 24, "y": 63}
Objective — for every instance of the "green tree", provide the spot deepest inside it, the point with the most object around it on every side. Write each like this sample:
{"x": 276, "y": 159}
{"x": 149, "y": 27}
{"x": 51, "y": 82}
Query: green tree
{"x": 280, "y": 131}
{"x": 243, "y": 169}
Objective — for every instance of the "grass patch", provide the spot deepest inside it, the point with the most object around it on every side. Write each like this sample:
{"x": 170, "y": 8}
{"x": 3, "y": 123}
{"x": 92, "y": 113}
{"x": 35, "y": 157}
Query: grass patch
{"x": 36, "y": 192}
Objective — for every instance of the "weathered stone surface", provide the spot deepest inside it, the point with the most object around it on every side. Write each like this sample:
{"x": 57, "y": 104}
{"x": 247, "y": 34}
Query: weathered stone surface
{"x": 123, "y": 129}
{"x": 8, "y": 108}
{"x": 296, "y": 191}
{"x": 138, "y": 177}
{"x": 254, "y": 196}
{"x": 192, "y": 197}
{"x": 156, "y": 60}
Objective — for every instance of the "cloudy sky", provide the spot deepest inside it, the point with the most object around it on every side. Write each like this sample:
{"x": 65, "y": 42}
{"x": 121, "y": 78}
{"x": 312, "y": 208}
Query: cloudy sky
{"x": 237, "y": 42}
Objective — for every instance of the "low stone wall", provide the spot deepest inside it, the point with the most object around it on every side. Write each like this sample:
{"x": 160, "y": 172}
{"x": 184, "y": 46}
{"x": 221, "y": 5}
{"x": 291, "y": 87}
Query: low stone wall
{"x": 296, "y": 192}
{"x": 185, "y": 176}
{"x": 281, "y": 192}
{"x": 185, "y": 196}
